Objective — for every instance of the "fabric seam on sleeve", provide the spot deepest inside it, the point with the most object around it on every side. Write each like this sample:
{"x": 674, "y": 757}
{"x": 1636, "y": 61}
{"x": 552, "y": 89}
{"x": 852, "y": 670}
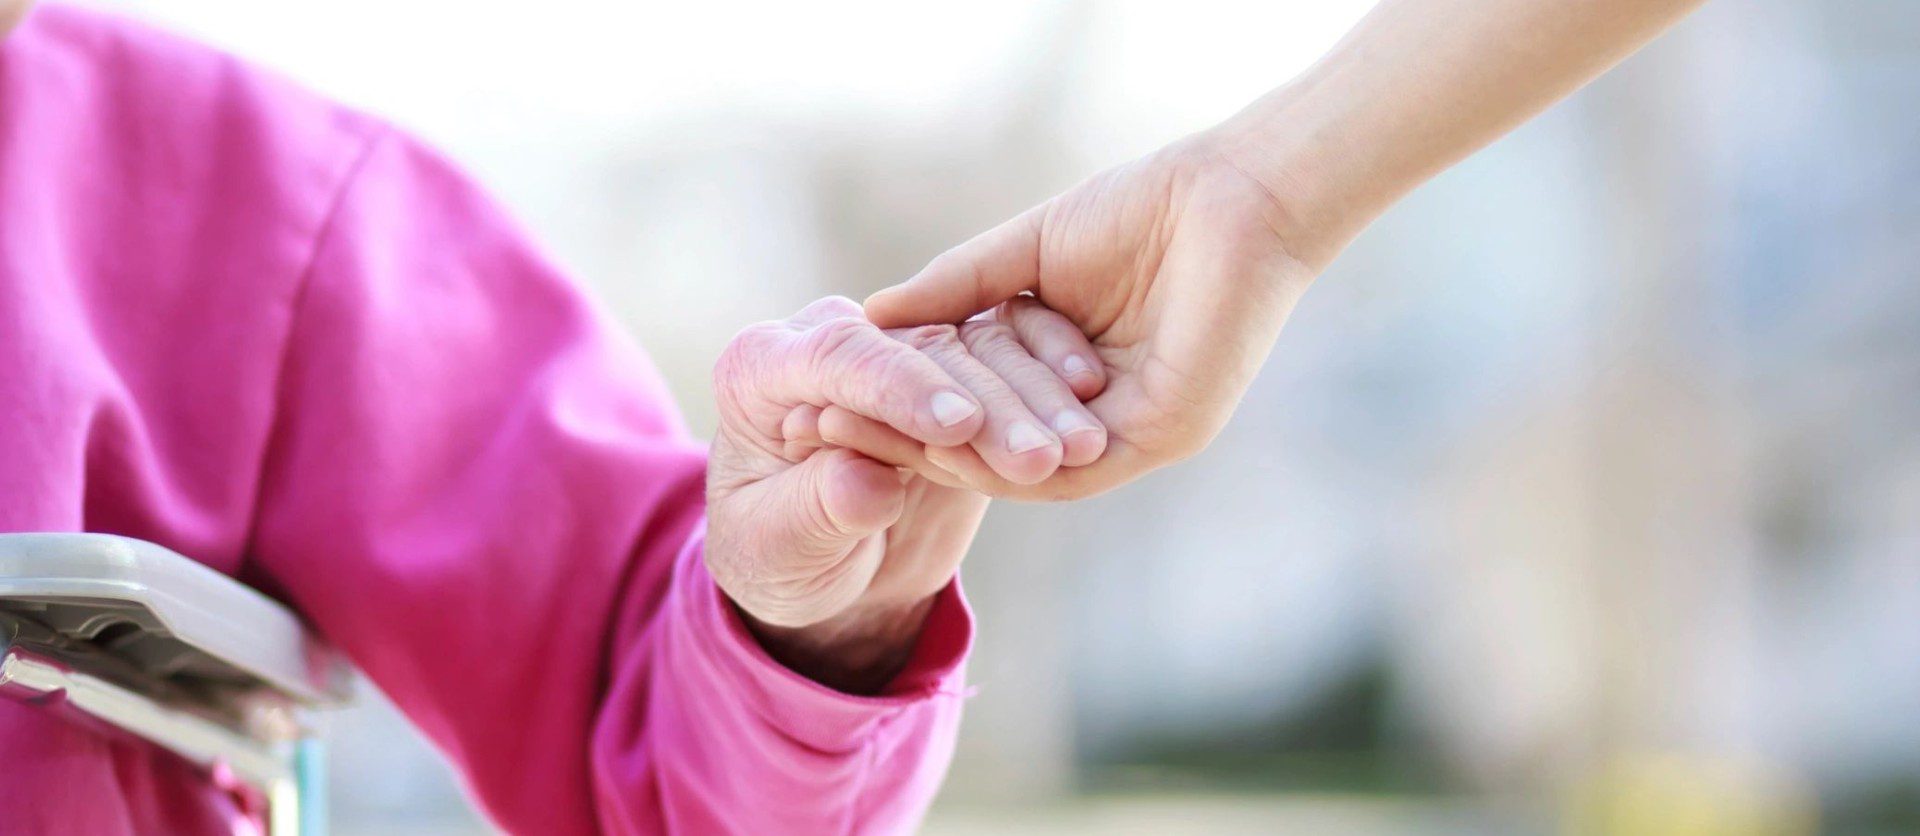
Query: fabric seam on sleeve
{"x": 296, "y": 302}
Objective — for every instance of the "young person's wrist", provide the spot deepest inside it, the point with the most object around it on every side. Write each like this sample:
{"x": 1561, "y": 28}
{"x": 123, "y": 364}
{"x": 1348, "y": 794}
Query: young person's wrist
{"x": 1291, "y": 147}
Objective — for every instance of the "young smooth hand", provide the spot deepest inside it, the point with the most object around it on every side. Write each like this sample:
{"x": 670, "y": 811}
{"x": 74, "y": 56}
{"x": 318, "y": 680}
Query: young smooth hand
{"x": 1176, "y": 269}
{"x": 1183, "y": 266}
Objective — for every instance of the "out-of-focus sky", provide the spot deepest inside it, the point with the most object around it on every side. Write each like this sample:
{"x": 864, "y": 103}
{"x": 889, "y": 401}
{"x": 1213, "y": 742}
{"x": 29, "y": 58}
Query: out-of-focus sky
{"x": 569, "y": 71}
{"x": 521, "y": 91}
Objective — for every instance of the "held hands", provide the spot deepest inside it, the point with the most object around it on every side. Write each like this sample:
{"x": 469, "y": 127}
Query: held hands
{"x": 1180, "y": 268}
{"x": 848, "y": 474}
{"x": 1177, "y": 266}
{"x": 829, "y": 524}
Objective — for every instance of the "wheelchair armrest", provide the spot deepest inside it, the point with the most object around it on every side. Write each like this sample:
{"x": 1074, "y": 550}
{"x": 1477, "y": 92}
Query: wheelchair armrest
{"x": 131, "y": 611}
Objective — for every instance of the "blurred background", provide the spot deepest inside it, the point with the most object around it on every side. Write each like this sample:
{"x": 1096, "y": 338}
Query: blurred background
{"x": 1582, "y": 495}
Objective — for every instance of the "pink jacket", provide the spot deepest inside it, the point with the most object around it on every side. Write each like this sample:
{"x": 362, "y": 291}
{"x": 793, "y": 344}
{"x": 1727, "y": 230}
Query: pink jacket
{"x": 288, "y": 341}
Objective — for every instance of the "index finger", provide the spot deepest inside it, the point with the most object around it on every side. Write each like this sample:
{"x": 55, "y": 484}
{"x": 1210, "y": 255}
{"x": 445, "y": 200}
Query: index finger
{"x": 845, "y": 361}
{"x": 991, "y": 268}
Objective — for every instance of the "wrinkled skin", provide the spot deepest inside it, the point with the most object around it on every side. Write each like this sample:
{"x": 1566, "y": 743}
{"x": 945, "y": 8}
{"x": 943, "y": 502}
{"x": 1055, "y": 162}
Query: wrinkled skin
{"x": 827, "y": 524}
{"x": 1176, "y": 268}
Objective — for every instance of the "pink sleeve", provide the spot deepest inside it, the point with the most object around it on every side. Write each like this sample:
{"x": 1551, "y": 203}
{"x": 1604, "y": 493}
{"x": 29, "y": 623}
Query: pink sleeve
{"x": 478, "y": 488}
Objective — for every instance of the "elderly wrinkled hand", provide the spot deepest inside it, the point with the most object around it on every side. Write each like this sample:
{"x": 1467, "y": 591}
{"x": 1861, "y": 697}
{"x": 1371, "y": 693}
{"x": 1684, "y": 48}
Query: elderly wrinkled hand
{"x": 830, "y": 525}
{"x": 1176, "y": 269}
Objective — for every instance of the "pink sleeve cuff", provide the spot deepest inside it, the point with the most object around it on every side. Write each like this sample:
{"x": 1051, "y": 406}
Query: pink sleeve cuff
{"x": 825, "y": 718}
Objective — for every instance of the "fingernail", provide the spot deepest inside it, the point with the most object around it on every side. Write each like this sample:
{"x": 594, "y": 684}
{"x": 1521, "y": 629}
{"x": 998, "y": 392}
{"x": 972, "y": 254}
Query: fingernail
{"x": 950, "y": 409}
{"x": 1024, "y": 436}
{"x": 1076, "y": 364}
{"x": 1069, "y": 422}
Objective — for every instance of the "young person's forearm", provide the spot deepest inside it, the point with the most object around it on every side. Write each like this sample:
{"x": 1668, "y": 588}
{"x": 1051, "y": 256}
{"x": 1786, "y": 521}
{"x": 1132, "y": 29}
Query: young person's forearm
{"x": 1415, "y": 87}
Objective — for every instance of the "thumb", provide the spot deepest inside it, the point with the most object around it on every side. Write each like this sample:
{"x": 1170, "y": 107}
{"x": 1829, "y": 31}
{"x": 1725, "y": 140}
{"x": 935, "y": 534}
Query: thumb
{"x": 993, "y": 267}
{"x": 802, "y": 530}
{"x": 834, "y": 499}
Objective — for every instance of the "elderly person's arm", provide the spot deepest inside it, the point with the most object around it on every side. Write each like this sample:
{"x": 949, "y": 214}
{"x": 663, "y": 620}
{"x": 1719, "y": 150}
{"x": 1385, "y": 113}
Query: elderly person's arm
{"x": 1182, "y": 266}
{"x": 479, "y": 489}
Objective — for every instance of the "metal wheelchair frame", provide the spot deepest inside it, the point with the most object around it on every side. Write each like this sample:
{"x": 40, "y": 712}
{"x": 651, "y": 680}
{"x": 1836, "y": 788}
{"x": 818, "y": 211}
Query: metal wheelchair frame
{"x": 127, "y": 637}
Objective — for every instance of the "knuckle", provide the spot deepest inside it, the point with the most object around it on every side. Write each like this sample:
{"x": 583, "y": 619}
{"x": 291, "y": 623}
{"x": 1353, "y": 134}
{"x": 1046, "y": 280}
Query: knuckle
{"x": 748, "y": 349}
{"x": 862, "y": 366}
{"x": 838, "y": 340}
{"x": 1043, "y": 392}
{"x": 735, "y": 359}
{"x": 1020, "y": 306}
{"x": 1045, "y": 324}
{"x": 726, "y": 367}
{"x": 983, "y": 335}
{"x": 931, "y": 337}
{"x": 836, "y": 306}
{"x": 754, "y": 336}
{"x": 762, "y": 331}
{"x": 892, "y": 378}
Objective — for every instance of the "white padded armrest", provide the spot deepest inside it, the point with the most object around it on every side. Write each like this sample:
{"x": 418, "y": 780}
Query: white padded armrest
{"x": 169, "y": 616}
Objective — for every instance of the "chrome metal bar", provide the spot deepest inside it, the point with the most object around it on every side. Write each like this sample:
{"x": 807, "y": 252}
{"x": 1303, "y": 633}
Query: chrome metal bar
{"x": 263, "y": 765}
